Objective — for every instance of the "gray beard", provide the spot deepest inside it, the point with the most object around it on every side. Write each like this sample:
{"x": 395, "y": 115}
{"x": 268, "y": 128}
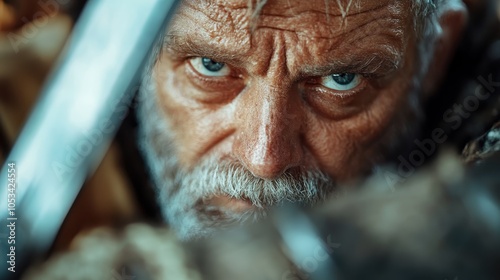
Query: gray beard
{"x": 181, "y": 193}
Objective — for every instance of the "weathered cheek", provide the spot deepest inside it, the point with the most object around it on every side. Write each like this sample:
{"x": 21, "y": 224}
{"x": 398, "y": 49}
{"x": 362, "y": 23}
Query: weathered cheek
{"x": 330, "y": 145}
{"x": 208, "y": 129}
{"x": 344, "y": 148}
{"x": 196, "y": 127}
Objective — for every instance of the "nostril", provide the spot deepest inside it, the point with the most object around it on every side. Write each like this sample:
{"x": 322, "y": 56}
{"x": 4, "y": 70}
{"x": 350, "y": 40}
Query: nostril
{"x": 267, "y": 159}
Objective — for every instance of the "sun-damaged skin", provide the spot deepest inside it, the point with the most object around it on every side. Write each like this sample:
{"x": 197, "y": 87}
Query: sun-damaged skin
{"x": 270, "y": 113}
{"x": 268, "y": 108}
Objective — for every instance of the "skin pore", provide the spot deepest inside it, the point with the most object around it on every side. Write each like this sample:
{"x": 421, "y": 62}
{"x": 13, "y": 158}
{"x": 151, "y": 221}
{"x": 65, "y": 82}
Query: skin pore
{"x": 242, "y": 113}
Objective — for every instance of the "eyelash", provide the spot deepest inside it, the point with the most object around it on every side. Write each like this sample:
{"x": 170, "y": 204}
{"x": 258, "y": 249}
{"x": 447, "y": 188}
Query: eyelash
{"x": 364, "y": 80}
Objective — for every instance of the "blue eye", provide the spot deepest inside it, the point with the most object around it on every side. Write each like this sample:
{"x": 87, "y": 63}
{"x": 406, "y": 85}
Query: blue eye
{"x": 344, "y": 78}
{"x": 208, "y": 67}
{"x": 341, "y": 82}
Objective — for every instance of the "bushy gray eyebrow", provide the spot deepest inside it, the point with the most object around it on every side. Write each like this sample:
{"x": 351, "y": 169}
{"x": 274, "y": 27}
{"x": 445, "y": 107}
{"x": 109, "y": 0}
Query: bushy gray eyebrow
{"x": 368, "y": 62}
{"x": 185, "y": 46}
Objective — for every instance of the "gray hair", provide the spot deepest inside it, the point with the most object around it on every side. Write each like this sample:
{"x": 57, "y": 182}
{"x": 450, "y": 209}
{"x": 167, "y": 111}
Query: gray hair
{"x": 426, "y": 23}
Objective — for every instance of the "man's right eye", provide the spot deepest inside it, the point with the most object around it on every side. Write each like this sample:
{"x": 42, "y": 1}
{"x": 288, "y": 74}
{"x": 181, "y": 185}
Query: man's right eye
{"x": 208, "y": 67}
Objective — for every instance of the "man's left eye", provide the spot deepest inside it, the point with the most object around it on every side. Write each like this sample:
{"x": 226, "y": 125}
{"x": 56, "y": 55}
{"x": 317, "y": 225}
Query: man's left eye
{"x": 341, "y": 82}
{"x": 208, "y": 67}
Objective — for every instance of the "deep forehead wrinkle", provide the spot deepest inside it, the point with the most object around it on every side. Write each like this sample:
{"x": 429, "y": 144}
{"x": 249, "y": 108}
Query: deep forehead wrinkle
{"x": 306, "y": 18}
{"x": 211, "y": 22}
{"x": 220, "y": 31}
{"x": 331, "y": 20}
{"x": 330, "y": 7}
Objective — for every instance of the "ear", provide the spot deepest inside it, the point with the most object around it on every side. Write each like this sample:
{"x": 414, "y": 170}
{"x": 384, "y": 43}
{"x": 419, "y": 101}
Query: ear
{"x": 452, "y": 22}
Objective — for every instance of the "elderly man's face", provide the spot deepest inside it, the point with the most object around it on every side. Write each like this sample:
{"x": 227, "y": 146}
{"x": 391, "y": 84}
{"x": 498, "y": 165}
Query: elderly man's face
{"x": 249, "y": 110}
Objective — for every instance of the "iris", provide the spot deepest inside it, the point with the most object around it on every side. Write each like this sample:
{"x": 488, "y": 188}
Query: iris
{"x": 344, "y": 78}
{"x": 212, "y": 66}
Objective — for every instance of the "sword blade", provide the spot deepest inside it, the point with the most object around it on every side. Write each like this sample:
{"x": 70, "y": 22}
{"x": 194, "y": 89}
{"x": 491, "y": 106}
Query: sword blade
{"x": 79, "y": 112}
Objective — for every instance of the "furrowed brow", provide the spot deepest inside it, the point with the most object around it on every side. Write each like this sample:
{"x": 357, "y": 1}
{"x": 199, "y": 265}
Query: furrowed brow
{"x": 368, "y": 63}
{"x": 180, "y": 46}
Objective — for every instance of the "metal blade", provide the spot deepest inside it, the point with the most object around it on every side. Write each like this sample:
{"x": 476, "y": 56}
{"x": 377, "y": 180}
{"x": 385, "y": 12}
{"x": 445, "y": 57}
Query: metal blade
{"x": 78, "y": 113}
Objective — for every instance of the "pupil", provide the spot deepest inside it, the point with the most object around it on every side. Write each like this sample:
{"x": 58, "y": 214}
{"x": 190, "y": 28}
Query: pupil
{"x": 344, "y": 78}
{"x": 211, "y": 65}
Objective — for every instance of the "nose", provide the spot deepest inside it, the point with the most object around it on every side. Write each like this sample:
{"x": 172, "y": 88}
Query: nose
{"x": 269, "y": 121}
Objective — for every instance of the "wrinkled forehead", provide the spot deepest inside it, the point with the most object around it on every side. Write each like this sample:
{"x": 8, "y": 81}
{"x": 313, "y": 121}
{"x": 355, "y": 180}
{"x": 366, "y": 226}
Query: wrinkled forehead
{"x": 294, "y": 7}
{"x": 334, "y": 8}
{"x": 313, "y": 33}
{"x": 307, "y": 18}
{"x": 301, "y": 11}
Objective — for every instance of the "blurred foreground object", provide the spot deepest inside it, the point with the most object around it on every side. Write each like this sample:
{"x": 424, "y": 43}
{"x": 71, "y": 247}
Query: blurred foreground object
{"x": 23, "y": 71}
{"x": 67, "y": 134}
{"x": 444, "y": 223}
{"x": 135, "y": 253}
{"x": 28, "y": 51}
{"x": 483, "y": 147}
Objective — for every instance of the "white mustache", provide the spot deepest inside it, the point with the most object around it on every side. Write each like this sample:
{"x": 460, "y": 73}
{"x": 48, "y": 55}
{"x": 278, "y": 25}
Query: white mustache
{"x": 212, "y": 178}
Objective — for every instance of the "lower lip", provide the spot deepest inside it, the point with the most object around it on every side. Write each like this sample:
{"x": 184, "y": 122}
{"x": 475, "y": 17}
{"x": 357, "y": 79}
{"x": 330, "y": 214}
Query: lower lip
{"x": 231, "y": 204}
